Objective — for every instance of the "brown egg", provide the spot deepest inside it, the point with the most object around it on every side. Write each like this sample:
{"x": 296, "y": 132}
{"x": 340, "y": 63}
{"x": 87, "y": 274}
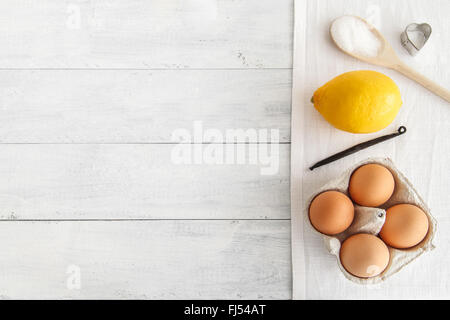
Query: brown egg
{"x": 331, "y": 212}
{"x": 406, "y": 225}
{"x": 364, "y": 255}
{"x": 371, "y": 185}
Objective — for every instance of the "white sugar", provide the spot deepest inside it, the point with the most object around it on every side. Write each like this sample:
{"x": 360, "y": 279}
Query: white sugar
{"x": 354, "y": 36}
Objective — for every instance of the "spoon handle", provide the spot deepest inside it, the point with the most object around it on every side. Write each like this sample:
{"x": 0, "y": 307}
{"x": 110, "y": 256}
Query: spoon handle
{"x": 424, "y": 81}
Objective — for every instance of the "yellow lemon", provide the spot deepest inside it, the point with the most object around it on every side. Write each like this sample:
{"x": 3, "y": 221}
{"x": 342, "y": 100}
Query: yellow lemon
{"x": 359, "y": 101}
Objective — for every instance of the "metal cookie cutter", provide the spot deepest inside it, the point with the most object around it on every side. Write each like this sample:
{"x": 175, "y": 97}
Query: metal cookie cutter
{"x": 415, "y": 36}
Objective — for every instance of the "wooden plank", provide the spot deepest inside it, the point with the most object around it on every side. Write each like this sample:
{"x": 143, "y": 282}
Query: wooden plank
{"x": 116, "y": 106}
{"x": 146, "y": 34}
{"x": 46, "y": 181}
{"x": 145, "y": 260}
{"x": 297, "y": 148}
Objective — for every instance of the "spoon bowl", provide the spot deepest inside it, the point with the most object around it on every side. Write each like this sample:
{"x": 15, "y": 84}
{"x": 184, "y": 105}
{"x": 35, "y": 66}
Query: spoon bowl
{"x": 385, "y": 51}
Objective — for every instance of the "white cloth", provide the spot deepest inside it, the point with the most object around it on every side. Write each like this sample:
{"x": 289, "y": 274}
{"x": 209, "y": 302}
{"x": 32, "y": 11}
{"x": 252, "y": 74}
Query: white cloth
{"x": 422, "y": 154}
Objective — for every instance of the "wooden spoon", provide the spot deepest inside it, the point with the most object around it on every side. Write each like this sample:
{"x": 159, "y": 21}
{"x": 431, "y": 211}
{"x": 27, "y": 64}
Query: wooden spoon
{"x": 387, "y": 58}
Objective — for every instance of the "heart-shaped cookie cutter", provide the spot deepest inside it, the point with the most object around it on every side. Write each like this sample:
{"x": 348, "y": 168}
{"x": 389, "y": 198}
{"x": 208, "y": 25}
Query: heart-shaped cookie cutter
{"x": 415, "y": 36}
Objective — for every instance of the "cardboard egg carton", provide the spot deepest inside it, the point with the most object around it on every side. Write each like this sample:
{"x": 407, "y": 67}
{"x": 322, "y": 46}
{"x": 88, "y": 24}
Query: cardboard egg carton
{"x": 371, "y": 220}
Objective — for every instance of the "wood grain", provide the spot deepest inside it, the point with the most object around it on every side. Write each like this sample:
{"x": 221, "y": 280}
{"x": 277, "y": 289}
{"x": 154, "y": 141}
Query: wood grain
{"x": 146, "y": 34}
{"x": 131, "y": 106}
{"x": 90, "y": 94}
{"x": 297, "y": 151}
{"x": 145, "y": 260}
{"x": 135, "y": 181}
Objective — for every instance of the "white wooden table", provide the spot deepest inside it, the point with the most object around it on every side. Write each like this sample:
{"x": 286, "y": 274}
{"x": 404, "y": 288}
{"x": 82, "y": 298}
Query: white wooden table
{"x": 91, "y": 204}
